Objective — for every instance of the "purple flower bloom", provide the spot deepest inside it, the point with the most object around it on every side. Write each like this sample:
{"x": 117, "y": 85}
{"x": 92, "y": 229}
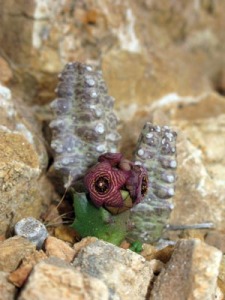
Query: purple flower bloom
{"x": 113, "y": 173}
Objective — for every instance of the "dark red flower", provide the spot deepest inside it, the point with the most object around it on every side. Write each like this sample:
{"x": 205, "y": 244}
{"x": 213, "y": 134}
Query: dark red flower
{"x": 113, "y": 173}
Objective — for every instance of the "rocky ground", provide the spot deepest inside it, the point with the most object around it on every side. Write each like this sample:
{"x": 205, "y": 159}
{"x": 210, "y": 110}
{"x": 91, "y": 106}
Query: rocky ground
{"x": 94, "y": 269}
{"x": 163, "y": 62}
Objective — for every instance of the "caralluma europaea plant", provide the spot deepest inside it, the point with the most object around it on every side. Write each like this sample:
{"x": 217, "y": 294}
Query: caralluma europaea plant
{"x": 117, "y": 198}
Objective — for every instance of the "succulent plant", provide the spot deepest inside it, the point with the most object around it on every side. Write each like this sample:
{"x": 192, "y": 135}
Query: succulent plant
{"x": 156, "y": 151}
{"x": 85, "y": 124}
{"x": 122, "y": 198}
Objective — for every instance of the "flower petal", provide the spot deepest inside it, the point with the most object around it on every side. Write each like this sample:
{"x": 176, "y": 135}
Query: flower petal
{"x": 112, "y": 158}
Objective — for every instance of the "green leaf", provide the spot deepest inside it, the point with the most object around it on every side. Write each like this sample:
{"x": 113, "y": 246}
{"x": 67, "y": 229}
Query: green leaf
{"x": 136, "y": 246}
{"x": 98, "y": 222}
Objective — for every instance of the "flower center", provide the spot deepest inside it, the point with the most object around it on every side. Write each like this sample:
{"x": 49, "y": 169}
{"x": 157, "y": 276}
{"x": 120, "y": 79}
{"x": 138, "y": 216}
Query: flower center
{"x": 102, "y": 185}
{"x": 144, "y": 186}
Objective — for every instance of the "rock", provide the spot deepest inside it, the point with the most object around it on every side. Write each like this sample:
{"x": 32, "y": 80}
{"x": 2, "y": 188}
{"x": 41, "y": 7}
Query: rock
{"x": 190, "y": 274}
{"x": 144, "y": 47}
{"x": 7, "y": 289}
{"x": 201, "y": 172}
{"x": 20, "y": 275}
{"x": 5, "y": 71}
{"x": 216, "y": 239}
{"x": 126, "y": 274}
{"x": 13, "y": 250}
{"x": 66, "y": 233}
{"x": 58, "y": 248}
{"x": 23, "y": 158}
{"x": 33, "y": 230}
{"x": 55, "y": 280}
{"x": 221, "y": 277}
{"x": 83, "y": 243}
{"x": 149, "y": 252}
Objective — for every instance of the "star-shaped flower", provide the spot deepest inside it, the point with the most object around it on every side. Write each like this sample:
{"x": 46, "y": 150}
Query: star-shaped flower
{"x": 113, "y": 173}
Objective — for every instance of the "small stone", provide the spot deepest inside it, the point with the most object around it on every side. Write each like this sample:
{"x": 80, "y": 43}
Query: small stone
{"x": 126, "y": 274}
{"x": 54, "y": 280}
{"x": 7, "y": 289}
{"x": 12, "y": 251}
{"x": 125, "y": 245}
{"x": 58, "y": 248}
{"x": 20, "y": 275}
{"x": 33, "y": 230}
{"x": 216, "y": 239}
{"x": 163, "y": 255}
{"x": 83, "y": 243}
{"x": 148, "y": 251}
{"x": 66, "y": 234}
{"x": 190, "y": 274}
{"x": 5, "y": 71}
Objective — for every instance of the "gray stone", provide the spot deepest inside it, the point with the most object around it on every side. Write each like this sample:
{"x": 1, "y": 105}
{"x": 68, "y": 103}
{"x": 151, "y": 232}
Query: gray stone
{"x": 190, "y": 274}
{"x": 7, "y": 289}
{"x": 126, "y": 274}
{"x": 33, "y": 230}
{"x": 53, "y": 279}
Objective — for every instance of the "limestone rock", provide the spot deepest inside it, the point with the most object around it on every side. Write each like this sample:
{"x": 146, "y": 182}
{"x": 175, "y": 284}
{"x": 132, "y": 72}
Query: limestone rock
{"x": 216, "y": 239}
{"x": 221, "y": 277}
{"x": 200, "y": 121}
{"x": 13, "y": 250}
{"x": 190, "y": 274}
{"x": 7, "y": 289}
{"x": 5, "y": 71}
{"x": 54, "y": 281}
{"x": 23, "y": 159}
{"x": 126, "y": 274}
{"x": 58, "y": 248}
{"x": 84, "y": 243}
{"x": 147, "y": 48}
{"x": 20, "y": 275}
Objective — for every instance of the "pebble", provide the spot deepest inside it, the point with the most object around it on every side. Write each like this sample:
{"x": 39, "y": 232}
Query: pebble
{"x": 58, "y": 248}
{"x": 33, "y": 230}
{"x": 20, "y": 275}
{"x": 12, "y": 251}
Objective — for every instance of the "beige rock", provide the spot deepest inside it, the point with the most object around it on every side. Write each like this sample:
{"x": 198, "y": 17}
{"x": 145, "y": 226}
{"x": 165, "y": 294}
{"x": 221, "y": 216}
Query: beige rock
{"x": 23, "y": 158}
{"x": 126, "y": 274}
{"x": 201, "y": 172}
{"x": 5, "y": 71}
{"x": 190, "y": 274}
{"x": 149, "y": 252}
{"x": 216, "y": 239}
{"x": 20, "y": 275}
{"x": 49, "y": 281}
{"x": 7, "y": 289}
{"x": 83, "y": 243}
{"x": 221, "y": 277}
{"x": 13, "y": 250}
{"x": 58, "y": 248}
{"x": 147, "y": 48}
